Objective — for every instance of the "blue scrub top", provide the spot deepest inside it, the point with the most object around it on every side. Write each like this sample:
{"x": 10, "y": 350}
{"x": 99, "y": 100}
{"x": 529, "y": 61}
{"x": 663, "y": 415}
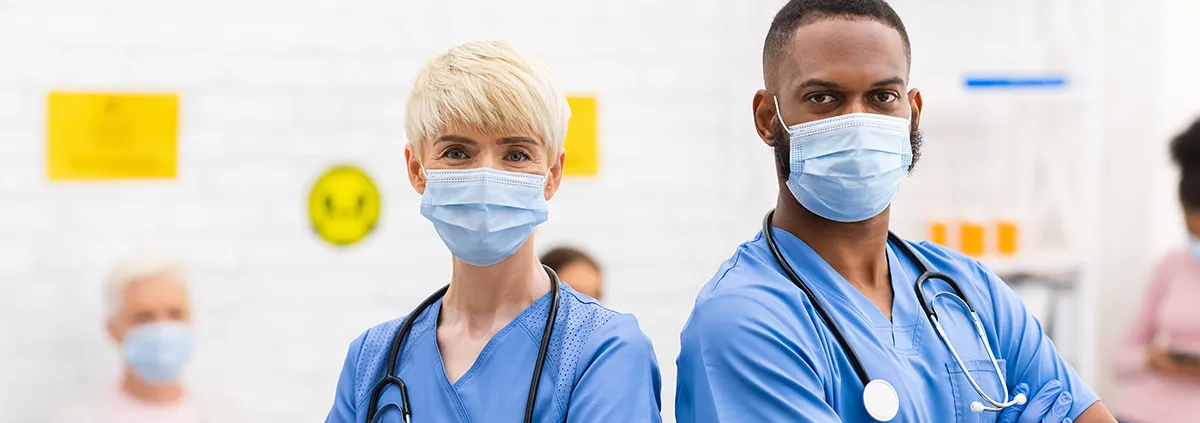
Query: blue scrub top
{"x": 755, "y": 350}
{"x": 600, "y": 367}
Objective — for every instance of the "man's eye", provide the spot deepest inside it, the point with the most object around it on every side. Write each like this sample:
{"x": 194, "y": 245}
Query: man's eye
{"x": 886, "y": 97}
{"x": 821, "y": 98}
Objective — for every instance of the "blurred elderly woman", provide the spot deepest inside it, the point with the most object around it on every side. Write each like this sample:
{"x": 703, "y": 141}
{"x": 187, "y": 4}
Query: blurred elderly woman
{"x": 149, "y": 318}
{"x": 485, "y": 128}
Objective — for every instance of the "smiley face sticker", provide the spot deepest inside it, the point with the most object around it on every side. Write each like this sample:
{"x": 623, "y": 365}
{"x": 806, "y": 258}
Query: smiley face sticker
{"x": 344, "y": 205}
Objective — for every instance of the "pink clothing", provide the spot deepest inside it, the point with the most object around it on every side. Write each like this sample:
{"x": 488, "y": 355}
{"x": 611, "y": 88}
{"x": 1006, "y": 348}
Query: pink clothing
{"x": 118, "y": 407}
{"x": 1170, "y": 317}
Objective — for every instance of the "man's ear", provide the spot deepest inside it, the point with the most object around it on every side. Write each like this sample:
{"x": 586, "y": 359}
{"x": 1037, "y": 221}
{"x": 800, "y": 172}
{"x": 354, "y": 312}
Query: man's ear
{"x": 416, "y": 172}
{"x": 554, "y": 179}
{"x": 915, "y": 102}
{"x": 765, "y": 115}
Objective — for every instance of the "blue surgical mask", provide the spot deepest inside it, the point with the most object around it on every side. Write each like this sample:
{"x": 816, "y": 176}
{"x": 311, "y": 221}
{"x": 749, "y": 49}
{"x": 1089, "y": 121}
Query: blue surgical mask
{"x": 848, "y": 168}
{"x": 1194, "y": 246}
{"x": 157, "y": 352}
{"x": 483, "y": 215}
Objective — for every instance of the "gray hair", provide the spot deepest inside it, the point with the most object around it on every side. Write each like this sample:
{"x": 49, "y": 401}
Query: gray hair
{"x": 135, "y": 268}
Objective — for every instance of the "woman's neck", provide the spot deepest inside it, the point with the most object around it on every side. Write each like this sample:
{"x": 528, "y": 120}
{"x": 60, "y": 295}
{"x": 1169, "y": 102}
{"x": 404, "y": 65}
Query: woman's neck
{"x": 485, "y": 298}
{"x": 155, "y": 394}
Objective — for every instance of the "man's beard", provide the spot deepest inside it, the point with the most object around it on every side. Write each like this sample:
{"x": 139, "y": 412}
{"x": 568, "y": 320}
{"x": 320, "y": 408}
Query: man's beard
{"x": 783, "y": 142}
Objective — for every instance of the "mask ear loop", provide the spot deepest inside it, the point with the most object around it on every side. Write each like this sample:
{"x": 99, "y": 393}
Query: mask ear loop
{"x": 779, "y": 115}
{"x": 546, "y": 178}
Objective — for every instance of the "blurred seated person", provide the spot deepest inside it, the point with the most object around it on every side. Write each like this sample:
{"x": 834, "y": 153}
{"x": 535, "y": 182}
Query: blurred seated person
{"x": 1159, "y": 365}
{"x": 149, "y": 318}
{"x": 577, "y": 269}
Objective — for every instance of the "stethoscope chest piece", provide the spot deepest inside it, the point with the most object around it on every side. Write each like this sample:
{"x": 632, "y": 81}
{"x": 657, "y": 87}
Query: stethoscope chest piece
{"x": 881, "y": 400}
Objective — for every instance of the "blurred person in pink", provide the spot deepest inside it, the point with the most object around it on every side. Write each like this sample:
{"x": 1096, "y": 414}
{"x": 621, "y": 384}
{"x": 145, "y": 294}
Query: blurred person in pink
{"x": 1159, "y": 365}
{"x": 149, "y": 318}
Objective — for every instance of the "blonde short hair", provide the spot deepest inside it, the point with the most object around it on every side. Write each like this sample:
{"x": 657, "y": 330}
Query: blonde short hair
{"x": 487, "y": 86}
{"x": 136, "y": 268}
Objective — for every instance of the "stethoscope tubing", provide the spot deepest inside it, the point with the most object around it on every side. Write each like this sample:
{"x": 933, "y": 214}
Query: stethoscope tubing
{"x": 812, "y": 298}
{"x": 930, "y": 313}
{"x": 394, "y": 351}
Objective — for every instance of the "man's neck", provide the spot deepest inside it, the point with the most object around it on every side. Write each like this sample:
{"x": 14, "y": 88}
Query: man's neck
{"x": 150, "y": 393}
{"x": 483, "y": 298}
{"x": 857, "y": 251}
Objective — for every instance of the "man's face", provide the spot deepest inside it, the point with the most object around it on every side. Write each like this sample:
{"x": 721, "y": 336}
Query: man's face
{"x": 834, "y": 67}
{"x": 149, "y": 300}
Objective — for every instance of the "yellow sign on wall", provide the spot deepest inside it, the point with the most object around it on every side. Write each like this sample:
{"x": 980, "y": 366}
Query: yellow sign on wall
{"x": 582, "y": 142}
{"x": 98, "y": 136}
{"x": 344, "y": 205}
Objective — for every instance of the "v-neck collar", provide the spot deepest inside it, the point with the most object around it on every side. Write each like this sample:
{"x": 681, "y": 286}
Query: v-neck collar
{"x": 481, "y": 359}
{"x": 823, "y": 278}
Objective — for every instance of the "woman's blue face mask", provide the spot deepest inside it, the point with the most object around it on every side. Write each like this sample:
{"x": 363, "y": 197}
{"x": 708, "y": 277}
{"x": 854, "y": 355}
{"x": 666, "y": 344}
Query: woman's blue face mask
{"x": 483, "y": 215}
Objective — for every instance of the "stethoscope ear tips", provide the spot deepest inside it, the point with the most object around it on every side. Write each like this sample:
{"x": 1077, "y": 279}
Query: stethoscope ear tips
{"x": 976, "y": 407}
{"x": 1020, "y": 399}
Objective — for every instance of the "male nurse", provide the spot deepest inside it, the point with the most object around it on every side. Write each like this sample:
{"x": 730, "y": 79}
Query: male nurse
{"x": 858, "y": 346}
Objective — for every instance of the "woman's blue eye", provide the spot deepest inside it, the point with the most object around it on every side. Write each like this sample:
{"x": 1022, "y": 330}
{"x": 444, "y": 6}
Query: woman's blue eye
{"x": 517, "y": 156}
{"x": 455, "y": 154}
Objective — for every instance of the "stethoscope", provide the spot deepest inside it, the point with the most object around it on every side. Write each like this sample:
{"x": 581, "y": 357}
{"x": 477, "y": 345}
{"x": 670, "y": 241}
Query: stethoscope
{"x": 391, "y": 378}
{"x": 879, "y": 396}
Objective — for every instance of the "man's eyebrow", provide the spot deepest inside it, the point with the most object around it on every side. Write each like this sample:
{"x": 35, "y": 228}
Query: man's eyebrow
{"x": 890, "y": 81}
{"x": 833, "y": 85}
{"x": 818, "y": 83}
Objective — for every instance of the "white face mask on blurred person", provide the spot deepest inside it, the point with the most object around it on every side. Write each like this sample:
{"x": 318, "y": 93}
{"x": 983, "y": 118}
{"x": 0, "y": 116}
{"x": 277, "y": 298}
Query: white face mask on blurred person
{"x": 1194, "y": 246}
{"x": 157, "y": 352}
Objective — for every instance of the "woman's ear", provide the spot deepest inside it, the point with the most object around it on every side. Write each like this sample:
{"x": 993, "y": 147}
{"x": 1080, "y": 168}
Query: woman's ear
{"x": 554, "y": 178}
{"x": 114, "y": 332}
{"x": 416, "y": 172}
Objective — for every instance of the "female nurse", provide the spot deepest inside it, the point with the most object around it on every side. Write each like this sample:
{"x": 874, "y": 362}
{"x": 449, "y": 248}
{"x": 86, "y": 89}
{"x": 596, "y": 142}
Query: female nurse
{"x": 506, "y": 342}
{"x": 1159, "y": 365}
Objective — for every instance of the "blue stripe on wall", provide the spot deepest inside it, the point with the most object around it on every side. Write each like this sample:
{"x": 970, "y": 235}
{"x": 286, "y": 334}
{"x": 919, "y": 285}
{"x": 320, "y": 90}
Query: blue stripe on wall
{"x": 1016, "y": 82}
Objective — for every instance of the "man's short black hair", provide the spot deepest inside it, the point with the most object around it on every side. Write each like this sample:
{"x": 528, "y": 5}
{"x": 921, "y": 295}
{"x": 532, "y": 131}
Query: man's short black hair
{"x": 1185, "y": 151}
{"x": 797, "y": 13}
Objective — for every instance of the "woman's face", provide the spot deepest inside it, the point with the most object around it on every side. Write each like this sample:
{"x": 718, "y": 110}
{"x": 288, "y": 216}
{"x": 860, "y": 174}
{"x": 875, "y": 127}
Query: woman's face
{"x": 1192, "y": 218}
{"x": 583, "y": 277}
{"x": 460, "y": 148}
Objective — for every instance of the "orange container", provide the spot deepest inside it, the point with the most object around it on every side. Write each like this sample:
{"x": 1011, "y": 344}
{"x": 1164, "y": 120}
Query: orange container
{"x": 1007, "y": 237}
{"x": 971, "y": 238}
{"x": 939, "y": 233}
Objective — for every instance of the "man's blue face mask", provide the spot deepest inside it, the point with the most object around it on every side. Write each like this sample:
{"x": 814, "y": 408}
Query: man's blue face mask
{"x": 848, "y": 168}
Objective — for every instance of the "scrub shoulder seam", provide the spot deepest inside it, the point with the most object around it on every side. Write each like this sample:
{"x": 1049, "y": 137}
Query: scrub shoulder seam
{"x": 737, "y": 257}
